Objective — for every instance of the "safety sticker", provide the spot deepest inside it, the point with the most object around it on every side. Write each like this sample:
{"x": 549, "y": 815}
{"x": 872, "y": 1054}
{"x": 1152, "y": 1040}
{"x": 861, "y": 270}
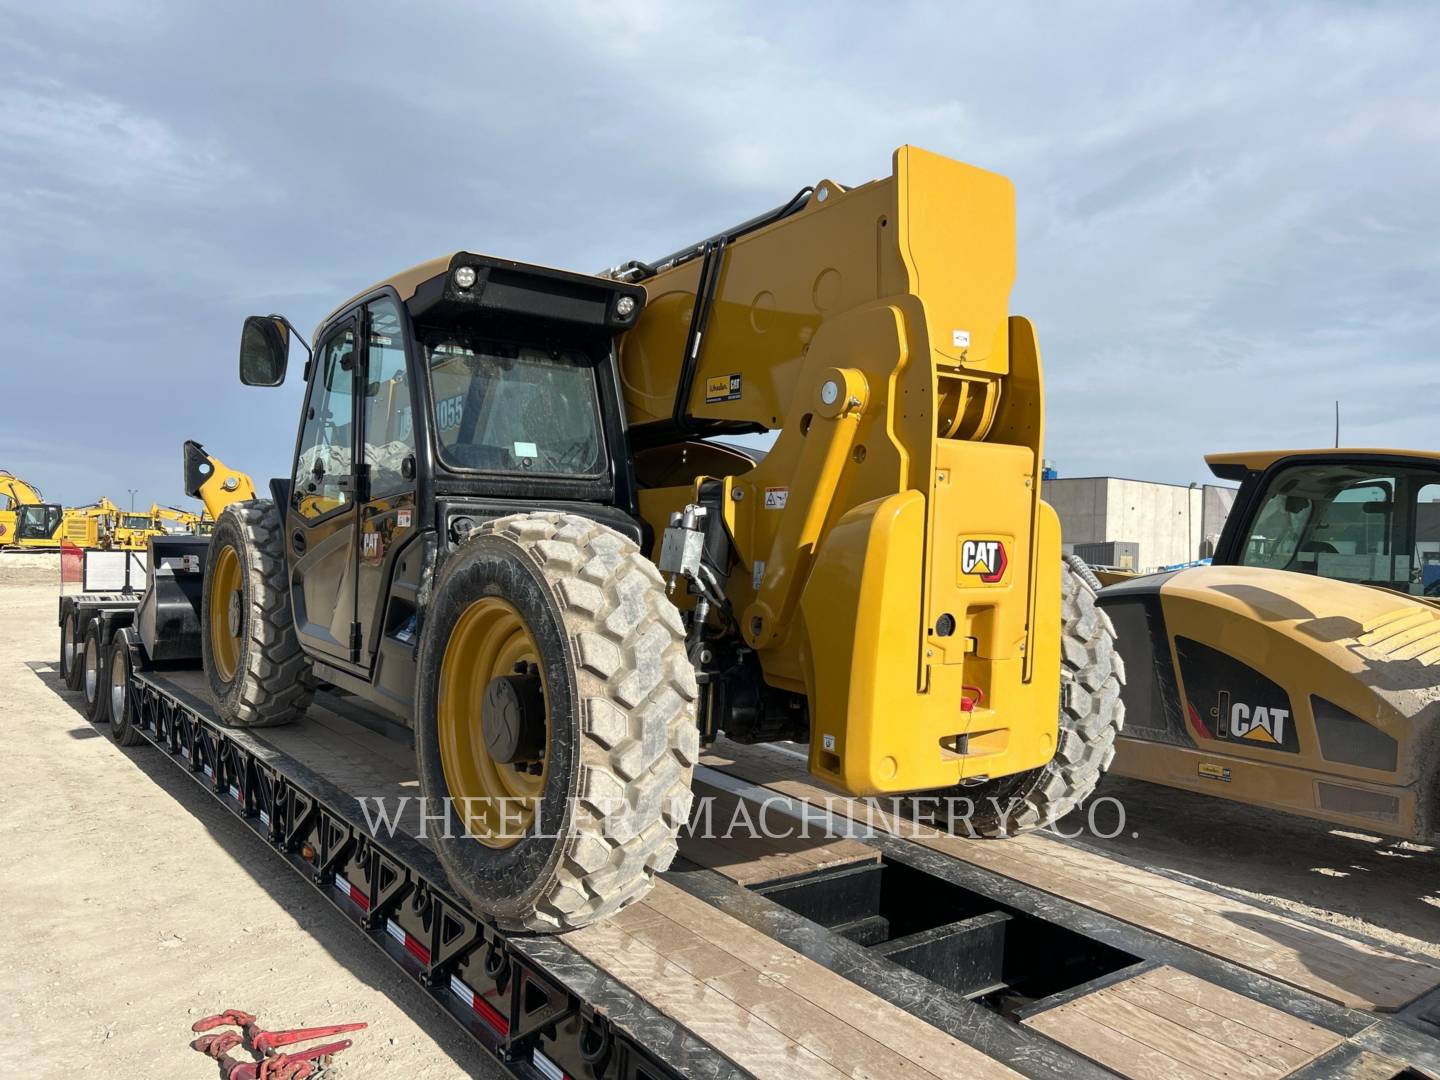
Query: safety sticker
{"x": 828, "y": 741}
{"x": 961, "y": 339}
{"x": 1214, "y": 772}
{"x": 526, "y": 449}
{"x": 776, "y": 498}
{"x": 722, "y": 388}
{"x": 403, "y": 518}
{"x": 758, "y": 575}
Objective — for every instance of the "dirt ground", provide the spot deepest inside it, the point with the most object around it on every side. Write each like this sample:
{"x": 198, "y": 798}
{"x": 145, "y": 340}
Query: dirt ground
{"x": 136, "y": 904}
{"x": 1388, "y": 890}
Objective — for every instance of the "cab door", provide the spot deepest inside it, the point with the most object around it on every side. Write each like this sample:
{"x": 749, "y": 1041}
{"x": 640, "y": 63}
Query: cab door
{"x": 321, "y": 518}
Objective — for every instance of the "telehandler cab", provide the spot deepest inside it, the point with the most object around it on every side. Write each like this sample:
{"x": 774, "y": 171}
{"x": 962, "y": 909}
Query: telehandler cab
{"x": 512, "y": 523}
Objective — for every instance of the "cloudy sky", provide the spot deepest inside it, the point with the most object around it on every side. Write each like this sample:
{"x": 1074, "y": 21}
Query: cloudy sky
{"x": 1229, "y": 214}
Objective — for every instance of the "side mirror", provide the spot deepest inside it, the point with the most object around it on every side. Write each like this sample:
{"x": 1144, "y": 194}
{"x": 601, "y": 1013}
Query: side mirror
{"x": 264, "y": 350}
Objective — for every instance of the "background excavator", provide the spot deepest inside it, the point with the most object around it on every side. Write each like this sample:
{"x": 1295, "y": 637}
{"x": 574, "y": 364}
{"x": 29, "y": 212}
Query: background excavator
{"x": 514, "y": 523}
{"x": 1300, "y": 671}
{"x": 14, "y": 493}
{"x": 28, "y": 522}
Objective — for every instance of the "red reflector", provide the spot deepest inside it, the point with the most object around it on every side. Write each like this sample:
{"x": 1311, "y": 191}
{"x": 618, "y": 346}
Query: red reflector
{"x": 490, "y": 1015}
{"x": 1199, "y": 724}
{"x": 420, "y": 952}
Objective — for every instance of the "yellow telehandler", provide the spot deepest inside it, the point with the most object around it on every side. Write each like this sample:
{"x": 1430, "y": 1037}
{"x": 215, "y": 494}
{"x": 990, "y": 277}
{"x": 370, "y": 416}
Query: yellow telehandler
{"x": 519, "y": 521}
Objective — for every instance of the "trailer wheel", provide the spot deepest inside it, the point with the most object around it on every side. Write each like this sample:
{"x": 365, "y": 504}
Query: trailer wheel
{"x": 92, "y": 673}
{"x": 1091, "y": 715}
{"x": 70, "y": 645}
{"x": 123, "y": 727}
{"x": 555, "y": 721}
{"x": 257, "y": 673}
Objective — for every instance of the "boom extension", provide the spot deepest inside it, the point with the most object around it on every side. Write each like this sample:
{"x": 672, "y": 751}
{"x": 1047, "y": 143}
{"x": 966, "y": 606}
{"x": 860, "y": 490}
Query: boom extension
{"x": 892, "y": 556}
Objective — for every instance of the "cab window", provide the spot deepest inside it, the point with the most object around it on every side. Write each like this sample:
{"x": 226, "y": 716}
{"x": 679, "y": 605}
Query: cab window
{"x": 514, "y": 408}
{"x": 389, "y": 431}
{"x": 1369, "y": 525}
{"x": 326, "y": 440}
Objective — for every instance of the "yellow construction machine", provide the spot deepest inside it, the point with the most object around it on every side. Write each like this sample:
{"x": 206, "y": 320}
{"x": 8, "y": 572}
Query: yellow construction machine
{"x": 1300, "y": 671}
{"x": 15, "y": 493}
{"x": 28, "y": 522}
{"x": 518, "y": 520}
{"x": 133, "y": 530}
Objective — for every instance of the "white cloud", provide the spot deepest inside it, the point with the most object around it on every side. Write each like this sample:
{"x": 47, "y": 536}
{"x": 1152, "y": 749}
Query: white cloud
{"x": 1227, "y": 213}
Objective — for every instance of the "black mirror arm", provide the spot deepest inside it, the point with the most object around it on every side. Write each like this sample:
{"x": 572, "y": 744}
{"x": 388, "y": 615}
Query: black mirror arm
{"x": 295, "y": 335}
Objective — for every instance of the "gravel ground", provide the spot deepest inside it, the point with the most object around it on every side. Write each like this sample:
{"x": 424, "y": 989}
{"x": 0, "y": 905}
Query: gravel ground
{"x": 136, "y": 904}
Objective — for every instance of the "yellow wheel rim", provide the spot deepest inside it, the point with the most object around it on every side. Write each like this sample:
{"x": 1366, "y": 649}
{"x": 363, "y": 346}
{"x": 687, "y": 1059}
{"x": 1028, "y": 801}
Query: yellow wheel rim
{"x": 226, "y": 617}
{"x": 496, "y": 802}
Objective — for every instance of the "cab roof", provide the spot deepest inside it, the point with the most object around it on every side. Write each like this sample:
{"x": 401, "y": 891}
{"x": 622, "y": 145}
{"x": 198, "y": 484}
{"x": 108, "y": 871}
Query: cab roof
{"x": 1234, "y": 465}
{"x": 405, "y": 283}
{"x": 408, "y": 282}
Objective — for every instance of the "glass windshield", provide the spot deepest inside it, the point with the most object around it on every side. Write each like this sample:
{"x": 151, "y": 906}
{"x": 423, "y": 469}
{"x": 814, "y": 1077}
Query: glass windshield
{"x": 514, "y": 408}
{"x": 38, "y": 520}
{"x": 135, "y": 521}
{"x": 1373, "y": 525}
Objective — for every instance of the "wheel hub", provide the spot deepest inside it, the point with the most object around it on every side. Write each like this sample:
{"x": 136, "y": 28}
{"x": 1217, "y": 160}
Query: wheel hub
{"x": 513, "y": 717}
{"x": 492, "y": 722}
{"x": 227, "y": 612}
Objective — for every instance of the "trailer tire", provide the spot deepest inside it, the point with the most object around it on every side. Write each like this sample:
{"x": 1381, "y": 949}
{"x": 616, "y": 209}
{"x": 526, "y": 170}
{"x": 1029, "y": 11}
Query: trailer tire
{"x": 617, "y": 706}
{"x": 92, "y": 672}
{"x": 121, "y": 706}
{"x": 257, "y": 673}
{"x": 1091, "y": 716}
{"x": 70, "y": 645}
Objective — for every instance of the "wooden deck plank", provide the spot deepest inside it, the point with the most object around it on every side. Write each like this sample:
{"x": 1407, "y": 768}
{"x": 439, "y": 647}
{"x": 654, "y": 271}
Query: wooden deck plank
{"x": 1349, "y": 972}
{"x": 1204, "y": 1028}
{"x": 1224, "y": 1030}
{"x": 1113, "y": 1049}
{"x": 1173, "y": 1039}
{"x": 747, "y": 1040}
{"x": 741, "y": 853}
{"x": 842, "y": 1043}
{"x": 1291, "y": 1029}
{"x": 925, "y": 1046}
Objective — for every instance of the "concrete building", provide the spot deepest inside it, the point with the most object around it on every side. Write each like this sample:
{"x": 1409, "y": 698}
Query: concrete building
{"x": 1171, "y": 523}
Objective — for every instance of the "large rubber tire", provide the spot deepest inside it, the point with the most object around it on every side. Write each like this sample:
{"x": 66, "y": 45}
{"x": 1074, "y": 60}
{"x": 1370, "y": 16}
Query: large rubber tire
{"x": 1091, "y": 716}
{"x": 124, "y": 727}
{"x": 272, "y": 681}
{"x": 70, "y": 644}
{"x": 92, "y": 673}
{"x": 621, "y": 701}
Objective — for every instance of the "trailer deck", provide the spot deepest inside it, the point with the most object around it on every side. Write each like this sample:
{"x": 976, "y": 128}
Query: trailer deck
{"x": 860, "y": 944}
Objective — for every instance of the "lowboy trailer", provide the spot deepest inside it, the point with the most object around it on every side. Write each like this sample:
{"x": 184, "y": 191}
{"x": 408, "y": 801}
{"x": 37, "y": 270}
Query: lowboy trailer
{"x": 844, "y": 940}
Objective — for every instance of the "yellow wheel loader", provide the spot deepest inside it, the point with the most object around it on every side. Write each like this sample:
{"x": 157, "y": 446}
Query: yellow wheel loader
{"x": 518, "y": 520}
{"x": 133, "y": 531}
{"x": 1300, "y": 671}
